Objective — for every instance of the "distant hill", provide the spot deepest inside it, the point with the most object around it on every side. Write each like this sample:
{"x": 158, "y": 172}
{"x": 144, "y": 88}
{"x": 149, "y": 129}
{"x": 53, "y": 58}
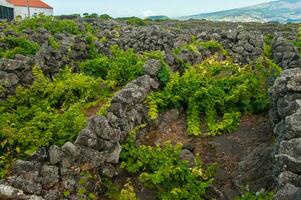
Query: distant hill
{"x": 158, "y": 17}
{"x": 278, "y": 11}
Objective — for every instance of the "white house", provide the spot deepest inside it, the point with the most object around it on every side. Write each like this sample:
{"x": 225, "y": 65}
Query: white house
{"x": 23, "y": 8}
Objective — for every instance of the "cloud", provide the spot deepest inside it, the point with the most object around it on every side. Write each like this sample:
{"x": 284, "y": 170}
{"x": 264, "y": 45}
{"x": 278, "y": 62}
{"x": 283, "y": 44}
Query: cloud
{"x": 148, "y": 13}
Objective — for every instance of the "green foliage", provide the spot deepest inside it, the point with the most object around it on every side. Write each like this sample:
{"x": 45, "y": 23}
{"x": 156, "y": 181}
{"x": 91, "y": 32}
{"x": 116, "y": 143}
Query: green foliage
{"x": 112, "y": 191}
{"x": 3, "y": 85}
{"x": 122, "y": 66}
{"x": 17, "y": 45}
{"x": 105, "y": 17}
{"x": 212, "y": 46}
{"x": 103, "y": 111}
{"x": 219, "y": 91}
{"x": 128, "y": 192}
{"x": 53, "y": 43}
{"x": 133, "y": 21}
{"x": 93, "y": 15}
{"x": 160, "y": 169}
{"x": 97, "y": 67}
{"x": 257, "y": 196}
{"x": 92, "y": 49}
{"x": 196, "y": 47}
{"x": 83, "y": 183}
{"x": 164, "y": 72}
{"x": 1, "y": 88}
{"x": 52, "y": 24}
{"x": 267, "y": 49}
{"x": 66, "y": 193}
{"x": 298, "y": 42}
{"x": 49, "y": 112}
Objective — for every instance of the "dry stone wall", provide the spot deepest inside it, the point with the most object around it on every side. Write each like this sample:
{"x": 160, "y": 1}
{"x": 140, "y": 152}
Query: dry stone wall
{"x": 284, "y": 53}
{"x": 286, "y": 117}
{"x": 243, "y": 46}
{"x": 49, "y": 173}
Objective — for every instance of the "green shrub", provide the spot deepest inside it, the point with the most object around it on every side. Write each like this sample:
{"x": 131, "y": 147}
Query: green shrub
{"x": 267, "y": 49}
{"x": 92, "y": 49}
{"x": 17, "y": 45}
{"x": 49, "y": 112}
{"x": 121, "y": 67}
{"x": 93, "y": 15}
{"x": 105, "y": 17}
{"x": 128, "y": 192}
{"x": 212, "y": 46}
{"x": 97, "y": 67}
{"x": 53, "y": 43}
{"x": 217, "y": 90}
{"x": 160, "y": 169}
{"x": 257, "y": 196}
{"x": 114, "y": 192}
{"x": 60, "y": 26}
{"x": 52, "y": 24}
{"x": 196, "y": 48}
{"x": 124, "y": 66}
{"x": 133, "y": 21}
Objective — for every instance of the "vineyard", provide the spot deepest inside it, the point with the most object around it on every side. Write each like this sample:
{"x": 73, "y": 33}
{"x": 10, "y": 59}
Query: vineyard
{"x": 79, "y": 95}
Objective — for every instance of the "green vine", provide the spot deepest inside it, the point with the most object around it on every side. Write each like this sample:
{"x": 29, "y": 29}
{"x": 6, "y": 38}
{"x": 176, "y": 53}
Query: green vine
{"x": 219, "y": 91}
{"x": 160, "y": 169}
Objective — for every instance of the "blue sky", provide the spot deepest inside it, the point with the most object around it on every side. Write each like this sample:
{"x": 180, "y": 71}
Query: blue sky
{"x": 143, "y": 8}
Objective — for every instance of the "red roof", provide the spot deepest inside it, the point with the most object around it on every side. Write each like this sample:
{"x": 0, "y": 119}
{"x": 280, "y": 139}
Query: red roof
{"x": 32, "y": 3}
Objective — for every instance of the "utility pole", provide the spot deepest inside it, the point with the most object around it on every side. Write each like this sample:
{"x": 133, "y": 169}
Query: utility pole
{"x": 28, "y": 9}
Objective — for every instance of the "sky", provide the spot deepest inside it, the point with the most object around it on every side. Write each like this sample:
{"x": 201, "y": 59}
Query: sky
{"x": 144, "y": 8}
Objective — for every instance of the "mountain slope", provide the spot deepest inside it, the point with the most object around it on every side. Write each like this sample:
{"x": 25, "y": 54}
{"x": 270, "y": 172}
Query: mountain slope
{"x": 281, "y": 11}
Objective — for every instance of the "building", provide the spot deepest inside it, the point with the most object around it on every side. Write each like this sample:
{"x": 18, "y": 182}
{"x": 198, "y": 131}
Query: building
{"x": 10, "y": 9}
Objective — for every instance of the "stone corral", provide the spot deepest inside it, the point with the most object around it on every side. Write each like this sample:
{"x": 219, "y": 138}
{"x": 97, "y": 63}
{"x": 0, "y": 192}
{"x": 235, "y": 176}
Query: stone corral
{"x": 286, "y": 117}
{"x": 50, "y": 172}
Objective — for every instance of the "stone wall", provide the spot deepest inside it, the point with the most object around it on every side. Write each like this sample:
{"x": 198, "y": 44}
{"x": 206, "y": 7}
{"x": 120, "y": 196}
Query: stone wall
{"x": 285, "y": 114}
{"x": 49, "y": 173}
{"x": 242, "y": 45}
{"x": 284, "y": 53}
{"x": 13, "y": 73}
{"x": 18, "y": 71}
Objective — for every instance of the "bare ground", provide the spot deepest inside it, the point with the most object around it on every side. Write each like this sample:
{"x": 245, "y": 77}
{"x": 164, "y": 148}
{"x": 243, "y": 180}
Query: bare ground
{"x": 227, "y": 150}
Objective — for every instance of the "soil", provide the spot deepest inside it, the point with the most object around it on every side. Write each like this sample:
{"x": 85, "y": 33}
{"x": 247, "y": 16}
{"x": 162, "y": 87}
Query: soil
{"x": 227, "y": 150}
{"x": 91, "y": 111}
